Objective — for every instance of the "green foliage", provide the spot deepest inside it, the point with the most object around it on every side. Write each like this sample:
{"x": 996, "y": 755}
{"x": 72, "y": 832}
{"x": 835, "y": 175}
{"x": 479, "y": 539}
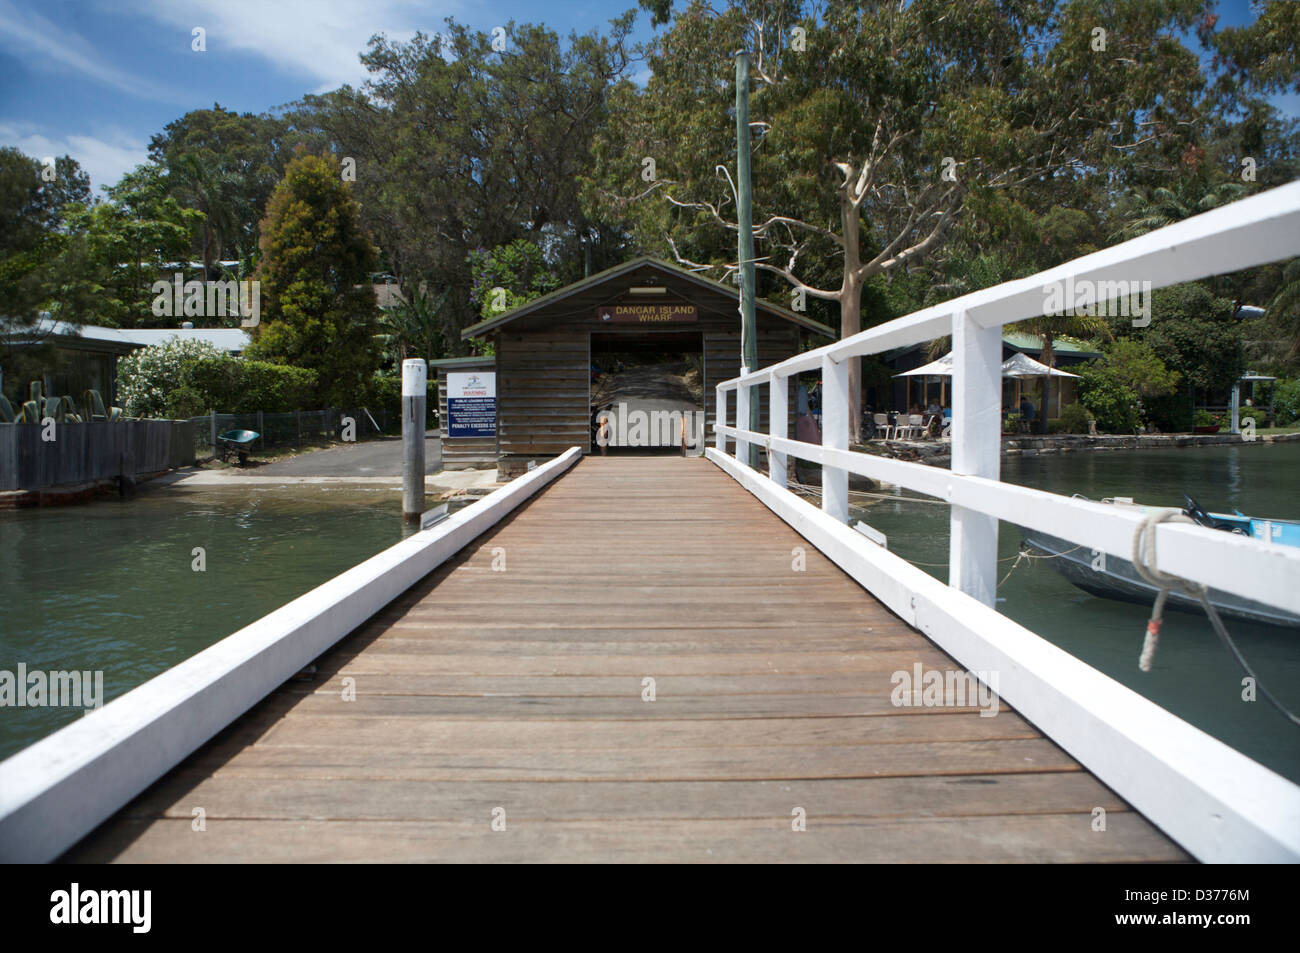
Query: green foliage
{"x": 184, "y": 402}
{"x": 319, "y": 311}
{"x": 1112, "y": 403}
{"x": 1286, "y": 401}
{"x": 1137, "y": 366}
{"x": 517, "y": 269}
{"x": 224, "y": 165}
{"x": 1074, "y": 418}
{"x": 1257, "y": 414}
{"x": 237, "y": 386}
{"x": 460, "y": 146}
{"x": 147, "y": 377}
{"x": 1262, "y": 54}
{"x": 1193, "y": 333}
{"x": 415, "y": 328}
{"x": 43, "y": 266}
{"x": 128, "y": 240}
{"x": 1203, "y": 418}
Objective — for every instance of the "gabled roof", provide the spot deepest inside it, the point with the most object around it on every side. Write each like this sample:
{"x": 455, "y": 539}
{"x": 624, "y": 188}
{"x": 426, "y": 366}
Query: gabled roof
{"x": 667, "y": 268}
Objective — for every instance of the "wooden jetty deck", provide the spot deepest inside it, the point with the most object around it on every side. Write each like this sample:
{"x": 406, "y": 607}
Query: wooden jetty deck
{"x": 517, "y": 693}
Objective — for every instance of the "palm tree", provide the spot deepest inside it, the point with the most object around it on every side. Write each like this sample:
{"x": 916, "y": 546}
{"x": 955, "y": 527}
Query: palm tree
{"x": 204, "y": 186}
{"x": 1283, "y": 311}
{"x": 1148, "y": 209}
{"x": 413, "y": 327}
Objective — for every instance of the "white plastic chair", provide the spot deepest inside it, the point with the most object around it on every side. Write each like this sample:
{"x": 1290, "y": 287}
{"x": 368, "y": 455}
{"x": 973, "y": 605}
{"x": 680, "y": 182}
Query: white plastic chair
{"x": 882, "y": 424}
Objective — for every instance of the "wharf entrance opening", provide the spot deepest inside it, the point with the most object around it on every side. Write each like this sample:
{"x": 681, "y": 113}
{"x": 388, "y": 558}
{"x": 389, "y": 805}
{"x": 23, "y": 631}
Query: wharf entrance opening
{"x": 647, "y": 392}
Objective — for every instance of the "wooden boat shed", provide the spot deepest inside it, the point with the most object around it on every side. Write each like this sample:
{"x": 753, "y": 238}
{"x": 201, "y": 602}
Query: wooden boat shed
{"x": 545, "y": 350}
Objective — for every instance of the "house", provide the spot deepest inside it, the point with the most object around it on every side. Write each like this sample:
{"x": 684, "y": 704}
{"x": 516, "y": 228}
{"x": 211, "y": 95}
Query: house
{"x": 534, "y": 398}
{"x": 87, "y": 354}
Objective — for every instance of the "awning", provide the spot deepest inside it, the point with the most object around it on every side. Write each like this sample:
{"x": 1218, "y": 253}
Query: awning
{"x": 1017, "y": 365}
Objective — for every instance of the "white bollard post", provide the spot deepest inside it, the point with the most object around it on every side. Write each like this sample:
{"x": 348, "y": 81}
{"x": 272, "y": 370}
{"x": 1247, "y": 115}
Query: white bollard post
{"x": 719, "y": 419}
{"x": 414, "y": 390}
{"x": 835, "y": 436}
{"x": 778, "y": 420}
{"x": 976, "y": 451}
{"x": 742, "y": 419}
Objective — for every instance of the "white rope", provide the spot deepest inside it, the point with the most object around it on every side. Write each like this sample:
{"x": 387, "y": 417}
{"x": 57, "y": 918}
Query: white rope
{"x": 1144, "y": 561}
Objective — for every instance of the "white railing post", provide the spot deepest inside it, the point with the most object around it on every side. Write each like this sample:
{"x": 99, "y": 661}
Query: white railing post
{"x": 976, "y": 451}
{"x": 835, "y": 435}
{"x": 720, "y": 419}
{"x": 778, "y": 418}
{"x": 742, "y": 419}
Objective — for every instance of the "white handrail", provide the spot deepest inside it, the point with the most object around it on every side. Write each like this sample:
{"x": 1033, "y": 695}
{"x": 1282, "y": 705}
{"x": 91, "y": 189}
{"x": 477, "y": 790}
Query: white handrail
{"x": 1254, "y": 231}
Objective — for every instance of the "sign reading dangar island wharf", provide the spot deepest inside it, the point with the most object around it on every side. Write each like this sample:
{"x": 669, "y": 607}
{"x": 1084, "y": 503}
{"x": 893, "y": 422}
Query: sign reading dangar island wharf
{"x": 472, "y": 404}
{"x": 661, "y": 312}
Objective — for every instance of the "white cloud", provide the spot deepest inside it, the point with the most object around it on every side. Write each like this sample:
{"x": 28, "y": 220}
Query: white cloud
{"x": 320, "y": 41}
{"x": 106, "y": 155}
{"x": 47, "y": 46}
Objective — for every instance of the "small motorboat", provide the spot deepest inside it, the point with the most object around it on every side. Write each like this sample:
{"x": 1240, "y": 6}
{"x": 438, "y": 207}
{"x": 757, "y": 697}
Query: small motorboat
{"x": 1112, "y": 577}
{"x": 236, "y": 443}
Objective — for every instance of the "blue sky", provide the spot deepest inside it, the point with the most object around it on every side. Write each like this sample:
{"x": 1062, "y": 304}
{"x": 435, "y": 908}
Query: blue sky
{"x": 96, "y": 78}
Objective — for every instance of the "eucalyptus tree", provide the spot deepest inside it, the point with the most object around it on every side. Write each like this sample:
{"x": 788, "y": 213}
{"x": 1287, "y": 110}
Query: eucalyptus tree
{"x": 877, "y": 125}
{"x": 467, "y": 140}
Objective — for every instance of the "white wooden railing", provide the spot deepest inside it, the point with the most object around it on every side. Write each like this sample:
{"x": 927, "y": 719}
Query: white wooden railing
{"x": 1143, "y": 743}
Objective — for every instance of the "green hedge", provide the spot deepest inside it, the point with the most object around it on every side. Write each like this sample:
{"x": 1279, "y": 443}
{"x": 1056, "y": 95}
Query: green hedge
{"x": 231, "y": 385}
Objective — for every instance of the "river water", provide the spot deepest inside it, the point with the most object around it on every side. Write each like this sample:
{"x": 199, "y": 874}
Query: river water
{"x": 110, "y": 586}
{"x": 1193, "y": 676}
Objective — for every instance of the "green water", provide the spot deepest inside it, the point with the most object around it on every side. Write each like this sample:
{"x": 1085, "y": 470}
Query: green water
{"x": 1194, "y": 677}
{"x": 110, "y": 585}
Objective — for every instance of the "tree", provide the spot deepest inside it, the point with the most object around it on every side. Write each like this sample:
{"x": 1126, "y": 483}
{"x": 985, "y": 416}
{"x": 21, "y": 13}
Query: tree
{"x": 1196, "y": 334}
{"x": 129, "y": 239}
{"x": 414, "y": 327}
{"x": 1283, "y": 311}
{"x": 224, "y": 164}
{"x": 883, "y": 124}
{"x": 315, "y": 272}
{"x": 1262, "y": 54}
{"x": 508, "y": 276}
{"x": 460, "y": 145}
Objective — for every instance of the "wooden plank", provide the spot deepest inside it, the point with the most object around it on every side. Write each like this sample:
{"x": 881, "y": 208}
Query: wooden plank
{"x": 992, "y": 839}
{"x": 523, "y": 689}
{"x": 382, "y": 799}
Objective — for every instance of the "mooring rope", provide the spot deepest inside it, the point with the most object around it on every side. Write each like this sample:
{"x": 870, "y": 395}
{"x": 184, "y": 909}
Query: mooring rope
{"x": 1144, "y": 561}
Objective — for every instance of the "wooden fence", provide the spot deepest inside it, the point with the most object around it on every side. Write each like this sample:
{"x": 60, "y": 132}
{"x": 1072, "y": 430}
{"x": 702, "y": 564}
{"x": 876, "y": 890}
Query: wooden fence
{"x": 87, "y": 452}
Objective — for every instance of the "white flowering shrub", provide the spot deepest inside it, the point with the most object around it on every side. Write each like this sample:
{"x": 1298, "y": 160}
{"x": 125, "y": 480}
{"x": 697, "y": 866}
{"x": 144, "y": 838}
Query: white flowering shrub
{"x": 147, "y": 377}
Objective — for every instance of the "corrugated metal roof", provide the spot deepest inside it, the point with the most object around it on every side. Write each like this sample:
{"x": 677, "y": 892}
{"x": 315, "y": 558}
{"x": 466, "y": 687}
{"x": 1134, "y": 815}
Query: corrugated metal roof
{"x": 231, "y": 340}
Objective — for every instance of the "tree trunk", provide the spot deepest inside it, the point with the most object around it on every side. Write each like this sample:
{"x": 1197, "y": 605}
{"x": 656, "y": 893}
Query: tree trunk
{"x": 851, "y": 306}
{"x": 850, "y": 324}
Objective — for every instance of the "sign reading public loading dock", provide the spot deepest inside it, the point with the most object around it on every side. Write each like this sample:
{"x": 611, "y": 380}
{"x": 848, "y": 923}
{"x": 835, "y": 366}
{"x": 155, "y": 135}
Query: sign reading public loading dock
{"x": 664, "y": 312}
{"x": 472, "y": 404}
